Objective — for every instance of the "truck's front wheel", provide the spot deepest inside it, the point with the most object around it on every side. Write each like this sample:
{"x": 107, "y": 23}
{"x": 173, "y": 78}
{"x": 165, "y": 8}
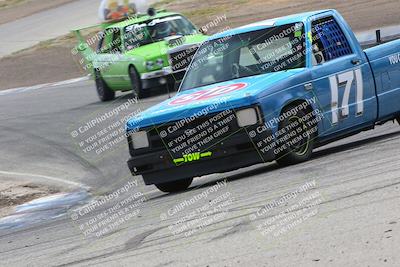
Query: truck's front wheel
{"x": 175, "y": 186}
{"x": 104, "y": 92}
{"x": 296, "y": 141}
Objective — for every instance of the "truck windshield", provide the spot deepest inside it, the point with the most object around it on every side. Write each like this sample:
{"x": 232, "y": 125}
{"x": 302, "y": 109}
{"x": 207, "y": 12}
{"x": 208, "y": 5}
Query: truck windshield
{"x": 155, "y": 30}
{"x": 252, "y": 53}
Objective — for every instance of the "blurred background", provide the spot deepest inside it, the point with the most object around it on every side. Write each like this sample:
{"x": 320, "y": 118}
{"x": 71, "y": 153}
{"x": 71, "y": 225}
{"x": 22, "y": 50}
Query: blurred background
{"x": 36, "y": 43}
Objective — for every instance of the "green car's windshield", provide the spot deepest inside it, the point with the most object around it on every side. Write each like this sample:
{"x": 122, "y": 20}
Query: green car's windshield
{"x": 155, "y": 30}
{"x": 247, "y": 54}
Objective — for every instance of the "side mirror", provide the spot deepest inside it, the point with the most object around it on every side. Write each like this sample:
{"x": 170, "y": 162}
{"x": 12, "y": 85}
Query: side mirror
{"x": 319, "y": 58}
{"x": 202, "y": 31}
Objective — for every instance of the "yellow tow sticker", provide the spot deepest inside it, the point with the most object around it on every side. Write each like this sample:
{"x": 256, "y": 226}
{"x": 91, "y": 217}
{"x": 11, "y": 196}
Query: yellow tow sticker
{"x": 192, "y": 157}
{"x": 310, "y": 36}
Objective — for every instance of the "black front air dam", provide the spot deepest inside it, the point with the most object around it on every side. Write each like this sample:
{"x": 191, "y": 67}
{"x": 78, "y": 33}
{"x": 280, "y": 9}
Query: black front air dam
{"x": 234, "y": 153}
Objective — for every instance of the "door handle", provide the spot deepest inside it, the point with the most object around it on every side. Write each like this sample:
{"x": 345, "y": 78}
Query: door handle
{"x": 356, "y": 61}
{"x": 308, "y": 86}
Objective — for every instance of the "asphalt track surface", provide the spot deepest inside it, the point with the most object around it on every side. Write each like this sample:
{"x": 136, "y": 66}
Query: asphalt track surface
{"x": 356, "y": 222}
{"x": 26, "y": 32}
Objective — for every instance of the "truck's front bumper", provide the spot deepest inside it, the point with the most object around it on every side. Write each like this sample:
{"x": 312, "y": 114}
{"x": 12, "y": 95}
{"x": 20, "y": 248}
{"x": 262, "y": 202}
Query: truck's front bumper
{"x": 236, "y": 152}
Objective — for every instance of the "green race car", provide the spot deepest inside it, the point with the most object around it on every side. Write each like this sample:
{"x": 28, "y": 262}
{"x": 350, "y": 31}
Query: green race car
{"x": 140, "y": 53}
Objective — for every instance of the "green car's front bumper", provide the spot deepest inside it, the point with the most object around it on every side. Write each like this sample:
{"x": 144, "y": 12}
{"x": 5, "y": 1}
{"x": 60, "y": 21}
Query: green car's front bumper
{"x": 161, "y": 77}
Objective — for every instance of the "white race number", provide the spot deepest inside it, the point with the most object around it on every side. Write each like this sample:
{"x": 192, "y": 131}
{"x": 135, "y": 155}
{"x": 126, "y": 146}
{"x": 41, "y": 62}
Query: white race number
{"x": 346, "y": 79}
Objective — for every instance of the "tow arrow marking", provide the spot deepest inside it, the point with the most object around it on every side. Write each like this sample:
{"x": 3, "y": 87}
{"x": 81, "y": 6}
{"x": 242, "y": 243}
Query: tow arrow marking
{"x": 193, "y": 157}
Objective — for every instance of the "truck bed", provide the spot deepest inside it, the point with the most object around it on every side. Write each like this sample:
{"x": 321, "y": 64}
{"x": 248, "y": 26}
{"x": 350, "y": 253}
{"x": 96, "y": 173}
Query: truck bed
{"x": 385, "y": 65}
{"x": 385, "y": 40}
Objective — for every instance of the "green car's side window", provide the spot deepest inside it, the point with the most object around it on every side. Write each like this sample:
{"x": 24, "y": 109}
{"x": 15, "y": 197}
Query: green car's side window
{"x": 110, "y": 42}
{"x": 116, "y": 41}
{"x": 103, "y": 46}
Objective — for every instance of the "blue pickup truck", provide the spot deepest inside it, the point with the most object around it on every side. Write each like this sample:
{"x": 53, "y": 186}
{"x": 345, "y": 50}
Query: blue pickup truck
{"x": 272, "y": 90}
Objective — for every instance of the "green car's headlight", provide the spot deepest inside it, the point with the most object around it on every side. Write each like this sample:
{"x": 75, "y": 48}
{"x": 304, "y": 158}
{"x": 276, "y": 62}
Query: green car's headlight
{"x": 160, "y": 62}
{"x": 149, "y": 65}
{"x": 140, "y": 140}
{"x": 157, "y": 64}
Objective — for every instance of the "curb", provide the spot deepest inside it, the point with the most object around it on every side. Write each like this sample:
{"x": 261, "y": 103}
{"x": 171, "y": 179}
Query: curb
{"x": 40, "y": 86}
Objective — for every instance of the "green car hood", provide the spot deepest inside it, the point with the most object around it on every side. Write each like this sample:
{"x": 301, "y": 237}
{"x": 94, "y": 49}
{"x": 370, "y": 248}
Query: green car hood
{"x": 160, "y": 49}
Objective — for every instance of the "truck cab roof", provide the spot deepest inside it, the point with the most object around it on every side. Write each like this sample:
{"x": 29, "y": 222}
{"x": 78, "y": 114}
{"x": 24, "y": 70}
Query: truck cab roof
{"x": 300, "y": 17}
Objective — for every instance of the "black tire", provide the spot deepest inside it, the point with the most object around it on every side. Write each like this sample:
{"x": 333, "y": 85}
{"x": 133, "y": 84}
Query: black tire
{"x": 398, "y": 120}
{"x": 299, "y": 147}
{"x": 136, "y": 82}
{"x": 175, "y": 186}
{"x": 103, "y": 91}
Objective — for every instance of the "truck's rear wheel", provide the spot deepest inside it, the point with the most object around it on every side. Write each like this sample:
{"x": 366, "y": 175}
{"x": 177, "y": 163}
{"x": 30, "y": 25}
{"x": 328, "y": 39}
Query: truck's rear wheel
{"x": 103, "y": 91}
{"x": 175, "y": 186}
{"x": 298, "y": 137}
{"x": 137, "y": 89}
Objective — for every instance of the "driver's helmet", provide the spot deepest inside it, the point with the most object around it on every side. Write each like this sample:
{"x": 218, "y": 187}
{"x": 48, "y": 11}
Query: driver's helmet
{"x": 163, "y": 29}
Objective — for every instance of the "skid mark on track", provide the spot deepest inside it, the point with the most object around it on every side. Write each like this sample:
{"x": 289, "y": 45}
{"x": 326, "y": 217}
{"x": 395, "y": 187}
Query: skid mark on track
{"x": 131, "y": 244}
{"x": 231, "y": 231}
{"x": 139, "y": 243}
{"x": 137, "y": 240}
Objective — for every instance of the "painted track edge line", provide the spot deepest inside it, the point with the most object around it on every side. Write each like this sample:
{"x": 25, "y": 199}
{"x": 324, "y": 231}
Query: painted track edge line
{"x": 40, "y": 86}
{"x": 54, "y": 179}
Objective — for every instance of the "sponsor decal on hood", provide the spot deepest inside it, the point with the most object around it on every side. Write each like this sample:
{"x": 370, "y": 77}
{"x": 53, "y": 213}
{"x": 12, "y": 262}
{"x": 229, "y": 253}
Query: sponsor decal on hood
{"x": 207, "y": 94}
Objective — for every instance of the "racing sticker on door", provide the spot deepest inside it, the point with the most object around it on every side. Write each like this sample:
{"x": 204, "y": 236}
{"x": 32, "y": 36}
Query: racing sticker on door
{"x": 341, "y": 110}
{"x": 207, "y": 94}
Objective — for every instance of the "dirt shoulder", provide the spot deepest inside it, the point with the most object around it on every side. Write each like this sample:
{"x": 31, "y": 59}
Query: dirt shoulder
{"x": 360, "y": 14}
{"x": 11, "y": 10}
{"x": 14, "y": 193}
{"x": 49, "y": 61}
{"x": 52, "y": 61}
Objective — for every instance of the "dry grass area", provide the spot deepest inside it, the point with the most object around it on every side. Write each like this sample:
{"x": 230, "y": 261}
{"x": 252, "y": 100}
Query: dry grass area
{"x": 361, "y": 14}
{"x": 49, "y": 61}
{"x": 14, "y": 9}
{"x": 52, "y": 61}
{"x": 11, "y": 3}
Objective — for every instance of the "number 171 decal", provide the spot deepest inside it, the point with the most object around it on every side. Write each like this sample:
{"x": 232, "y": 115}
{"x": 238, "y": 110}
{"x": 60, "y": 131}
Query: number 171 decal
{"x": 346, "y": 79}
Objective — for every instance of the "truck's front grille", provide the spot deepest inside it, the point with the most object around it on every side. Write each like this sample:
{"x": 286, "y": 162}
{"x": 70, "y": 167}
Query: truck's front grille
{"x": 182, "y": 137}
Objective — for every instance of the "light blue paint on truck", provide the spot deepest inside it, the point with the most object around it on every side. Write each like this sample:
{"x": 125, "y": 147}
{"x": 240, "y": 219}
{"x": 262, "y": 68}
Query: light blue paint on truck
{"x": 317, "y": 61}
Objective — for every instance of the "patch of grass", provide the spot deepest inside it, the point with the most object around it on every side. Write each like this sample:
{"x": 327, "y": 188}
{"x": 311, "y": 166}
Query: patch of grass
{"x": 62, "y": 41}
{"x": 69, "y": 40}
{"x": 162, "y": 4}
{"x": 11, "y": 3}
{"x": 204, "y": 12}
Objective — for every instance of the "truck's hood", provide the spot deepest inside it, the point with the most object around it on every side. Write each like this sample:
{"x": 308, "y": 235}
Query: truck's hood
{"x": 212, "y": 98}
